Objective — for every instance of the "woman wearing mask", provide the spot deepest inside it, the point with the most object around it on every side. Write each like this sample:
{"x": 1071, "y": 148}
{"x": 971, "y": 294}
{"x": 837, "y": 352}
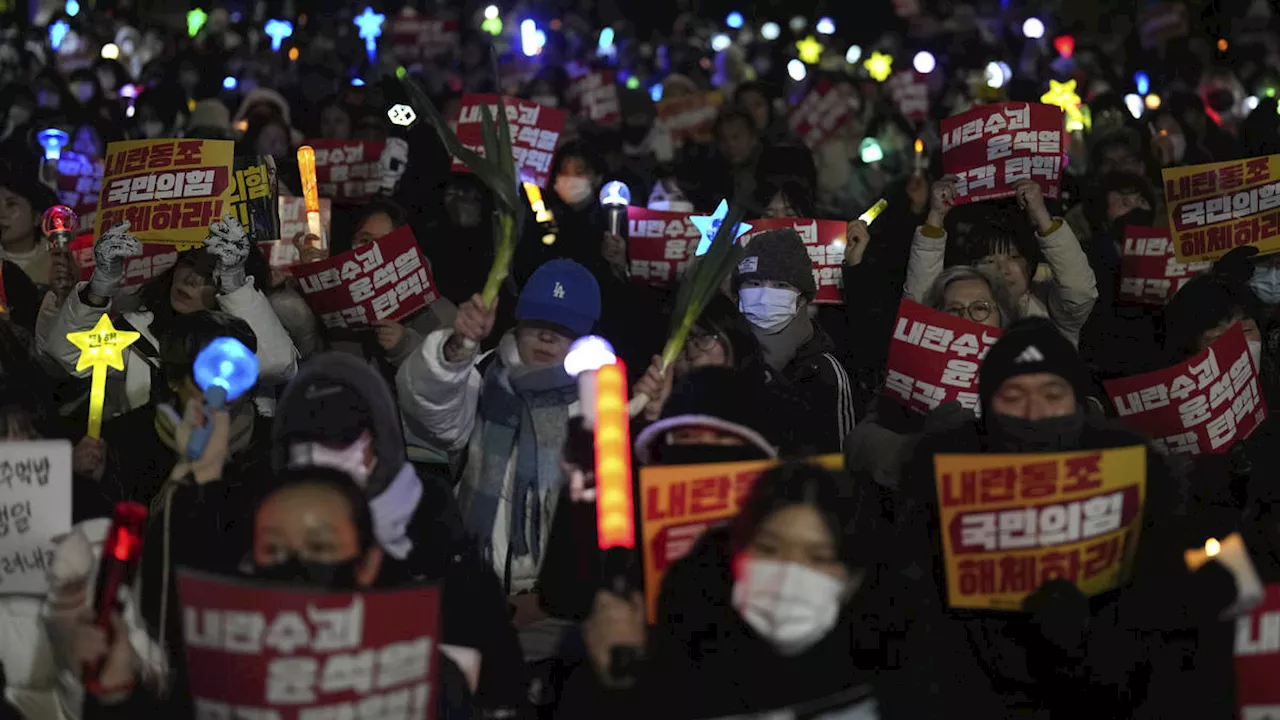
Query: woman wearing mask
{"x": 335, "y": 120}
{"x": 1171, "y": 142}
{"x": 783, "y": 610}
{"x": 212, "y": 277}
{"x": 576, "y": 176}
{"x": 1067, "y": 299}
{"x": 267, "y": 136}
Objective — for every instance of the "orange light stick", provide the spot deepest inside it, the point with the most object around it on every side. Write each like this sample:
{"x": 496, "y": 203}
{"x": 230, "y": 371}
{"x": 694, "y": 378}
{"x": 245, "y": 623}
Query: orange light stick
{"x": 615, "y": 513}
{"x": 310, "y": 191}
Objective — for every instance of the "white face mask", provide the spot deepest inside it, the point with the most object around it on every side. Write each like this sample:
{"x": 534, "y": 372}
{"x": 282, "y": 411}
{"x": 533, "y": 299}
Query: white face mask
{"x": 573, "y": 190}
{"x": 769, "y": 309}
{"x": 1255, "y": 352}
{"x": 152, "y": 128}
{"x": 786, "y": 603}
{"x": 1266, "y": 284}
{"x": 349, "y": 460}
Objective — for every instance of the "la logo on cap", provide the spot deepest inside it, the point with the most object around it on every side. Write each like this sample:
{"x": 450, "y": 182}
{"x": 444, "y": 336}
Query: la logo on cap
{"x": 1031, "y": 355}
{"x": 558, "y": 292}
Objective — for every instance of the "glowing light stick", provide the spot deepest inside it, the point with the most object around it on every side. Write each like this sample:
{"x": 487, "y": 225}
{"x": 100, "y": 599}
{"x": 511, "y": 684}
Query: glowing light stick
{"x": 810, "y": 50}
{"x": 874, "y": 211}
{"x": 708, "y": 225}
{"x": 121, "y": 555}
{"x": 224, "y": 370}
{"x": 57, "y": 33}
{"x": 370, "y": 25}
{"x": 615, "y": 518}
{"x": 879, "y": 66}
{"x": 196, "y": 20}
{"x": 919, "y": 156}
{"x": 59, "y": 225}
{"x": 310, "y": 191}
{"x": 52, "y": 140}
{"x": 278, "y": 30}
{"x": 100, "y": 348}
{"x": 615, "y": 196}
{"x": 540, "y": 211}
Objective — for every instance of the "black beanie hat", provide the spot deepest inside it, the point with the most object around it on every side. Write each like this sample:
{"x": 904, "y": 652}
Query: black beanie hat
{"x": 777, "y": 255}
{"x": 1204, "y": 303}
{"x": 715, "y": 397}
{"x": 1032, "y": 346}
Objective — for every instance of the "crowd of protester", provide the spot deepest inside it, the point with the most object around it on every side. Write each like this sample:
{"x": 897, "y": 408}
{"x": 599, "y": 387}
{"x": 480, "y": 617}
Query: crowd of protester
{"x": 434, "y": 450}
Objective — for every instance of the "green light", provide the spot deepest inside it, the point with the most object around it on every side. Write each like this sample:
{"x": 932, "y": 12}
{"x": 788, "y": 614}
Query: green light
{"x": 401, "y": 72}
{"x": 1270, "y": 92}
{"x": 196, "y": 20}
{"x": 633, "y": 82}
{"x": 493, "y": 26}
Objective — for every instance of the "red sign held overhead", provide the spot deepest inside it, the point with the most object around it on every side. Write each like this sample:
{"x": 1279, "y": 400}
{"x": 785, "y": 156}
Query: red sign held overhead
{"x": 1150, "y": 273}
{"x": 993, "y": 147}
{"x": 595, "y": 96}
{"x": 822, "y": 112}
{"x": 535, "y": 131}
{"x": 416, "y": 37}
{"x": 934, "y": 358}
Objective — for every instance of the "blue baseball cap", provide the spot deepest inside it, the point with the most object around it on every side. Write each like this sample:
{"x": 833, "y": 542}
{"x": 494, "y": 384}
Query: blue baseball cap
{"x": 561, "y": 293}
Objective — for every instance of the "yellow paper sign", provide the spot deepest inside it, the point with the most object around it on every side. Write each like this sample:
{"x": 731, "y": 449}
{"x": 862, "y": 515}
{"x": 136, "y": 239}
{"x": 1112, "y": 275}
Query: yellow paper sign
{"x": 168, "y": 190}
{"x": 1216, "y": 207}
{"x": 679, "y": 502}
{"x": 1011, "y": 522}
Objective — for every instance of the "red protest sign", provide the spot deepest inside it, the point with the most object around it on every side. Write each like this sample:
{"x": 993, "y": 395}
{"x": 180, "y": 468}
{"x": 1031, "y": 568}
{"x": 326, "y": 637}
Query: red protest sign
{"x": 293, "y": 653}
{"x": 1258, "y": 658}
{"x": 659, "y": 245}
{"x": 348, "y": 171}
{"x": 415, "y": 37}
{"x": 689, "y": 119}
{"x": 387, "y": 279}
{"x": 824, "y": 239}
{"x": 822, "y": 112}
{"x": 282, "y": 253}
{"x": 535, "y": 130}
{"x": 595, "y": 96}
{"x": 934, "y": 358}
{"x": 910, "y": 92}
{"x": 80, "y": 184}
{"x": 1201, "y": 405}
{"x": 992, "y": 147}
{"x": 155, "y": 259}
{"x": 1149, "y": 271}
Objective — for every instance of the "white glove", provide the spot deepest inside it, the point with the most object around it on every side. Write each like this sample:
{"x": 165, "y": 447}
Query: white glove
{"x": 228, "y": 243}
{"x": 109, "y": 254}
{"x": 393, "y": 161}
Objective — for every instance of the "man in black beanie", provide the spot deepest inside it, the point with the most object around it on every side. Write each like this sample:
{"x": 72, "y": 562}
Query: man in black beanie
{"x": 774, "y": 285}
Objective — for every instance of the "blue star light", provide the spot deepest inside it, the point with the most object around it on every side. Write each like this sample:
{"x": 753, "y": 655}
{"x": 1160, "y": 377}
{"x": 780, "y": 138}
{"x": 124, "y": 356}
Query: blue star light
{"x": 278, "y": 30}
{"x": 370, "y": 24}
{"x": 57, "y": 33}
{"x": 709, "y": 225}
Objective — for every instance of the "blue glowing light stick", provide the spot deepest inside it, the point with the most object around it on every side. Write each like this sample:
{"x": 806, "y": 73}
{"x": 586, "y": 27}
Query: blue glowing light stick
{"x": 224, "y": 370}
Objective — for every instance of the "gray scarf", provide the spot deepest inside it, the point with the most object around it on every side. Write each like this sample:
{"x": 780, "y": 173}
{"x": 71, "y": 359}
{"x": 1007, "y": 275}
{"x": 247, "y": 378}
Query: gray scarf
{"x": 780, "y": 348}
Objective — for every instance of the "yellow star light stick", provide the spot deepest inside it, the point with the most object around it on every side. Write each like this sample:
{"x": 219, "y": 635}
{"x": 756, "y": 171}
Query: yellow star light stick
{"x": 874, "y": 211}
{"x": 100, "y": 348}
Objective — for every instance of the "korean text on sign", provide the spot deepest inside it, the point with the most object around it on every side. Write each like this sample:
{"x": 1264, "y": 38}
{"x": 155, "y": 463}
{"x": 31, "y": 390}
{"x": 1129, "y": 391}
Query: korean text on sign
{"x": 1202, "y": 405}
{"x": 1150, "y": 273}
{"x": 80, "y": 184}
{"x": 1257, "y": 658}
{"x": 387, "y": 279}
{"x": 1216, "y": 207}
{"x": 414, "y": 37}
{"x": 1011, "y": 522}
{"x": 168, "y": 190}
{"x": 348, "y": 171}
{"x": 823, "y": 111}
{"x": 295, "y": 654}
{"x": 155, "y": 259}
{"x": 595, "y": 95}
{"x": 660, "y": 245}
{"x": 993, "y": 147}
{"x": 934, "y": 358}
{"x": 689, "y": 119}
{"x": 282, "y": 253}
{"x": 535, "y": 130}
{"x": 679, "y": 502}
{"x": 825, "y": 242}
{"x": 252, "y": 201}
{"x": 35, "y": 507}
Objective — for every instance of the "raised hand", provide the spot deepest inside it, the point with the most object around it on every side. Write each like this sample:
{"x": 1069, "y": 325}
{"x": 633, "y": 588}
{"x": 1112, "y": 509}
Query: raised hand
{"x": 228, "y": 243}
{"x": 109, "y": 255}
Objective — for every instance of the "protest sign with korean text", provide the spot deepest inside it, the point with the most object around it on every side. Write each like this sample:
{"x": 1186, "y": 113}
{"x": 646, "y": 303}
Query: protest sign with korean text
{"x": 35, "y": 507}
{"x": 1257, "y": 658}
{"x": 824, "y": 110}
{"x": 253, "y": 199}
{"x": 910, "y": 93}
{"x": 80, "y": 184}
{"x": 348, "y": 171}
{"x": 679, "y": 502}
{"x": 282, "y": 253}
{"x": 285, "y": 652}
{"x": 387, "y": 279}
{"x": 660, "y": 245}
{"x": 535, "y": 131}
{"x": 416, "y": 37}
{"x": 1150, "y": 273}
{"x": 168, "y": 190}
{"x": 689, "y": 119}
{"x": 155, "y": 259}
{"x": 993, "y": 147}
{"x": 1011, "y": 522}
{"x": 825, "y": 242}
{"x": 1216, "y": 207}
{"x": 1199, "y": 406}
{"x": 595, "y": 96}
{"x": 934, "y": 357}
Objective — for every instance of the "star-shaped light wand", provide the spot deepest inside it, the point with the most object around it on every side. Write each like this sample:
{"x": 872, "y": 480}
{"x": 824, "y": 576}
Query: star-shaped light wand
{"x": 100, "y": 348}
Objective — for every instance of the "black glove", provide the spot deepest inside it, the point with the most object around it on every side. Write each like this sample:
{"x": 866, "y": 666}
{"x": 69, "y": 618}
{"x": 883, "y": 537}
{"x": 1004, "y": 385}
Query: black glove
{"x": 1237, "y": 264}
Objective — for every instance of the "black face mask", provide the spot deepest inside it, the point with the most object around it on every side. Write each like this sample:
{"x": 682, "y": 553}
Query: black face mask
{"x": 1057, "y": 434}
{"x": 634, "y": 134}
{"x": 705, "y": 454}
{"x": 336, "y": 576}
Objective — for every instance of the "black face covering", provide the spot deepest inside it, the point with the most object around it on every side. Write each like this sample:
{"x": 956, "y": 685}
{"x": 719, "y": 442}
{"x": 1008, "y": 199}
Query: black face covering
{"x": 634, "y": 134}
{"x": 1056, "y": 434}
{"x": 336, "y": 576}
{"x": 705, "y": 454}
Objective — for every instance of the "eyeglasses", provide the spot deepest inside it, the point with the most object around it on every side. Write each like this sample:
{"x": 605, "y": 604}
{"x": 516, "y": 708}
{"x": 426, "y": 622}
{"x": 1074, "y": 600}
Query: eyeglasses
{"x": 703, "y": 342}
{"x": 977, "y": 311}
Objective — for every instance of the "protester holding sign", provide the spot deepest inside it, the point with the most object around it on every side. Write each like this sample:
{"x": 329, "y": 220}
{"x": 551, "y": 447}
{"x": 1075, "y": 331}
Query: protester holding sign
{"x": 203, "y": 279}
